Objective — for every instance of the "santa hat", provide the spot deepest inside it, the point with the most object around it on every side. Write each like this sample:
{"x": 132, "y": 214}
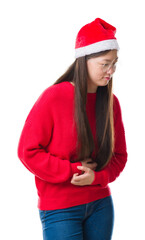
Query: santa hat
{"x": 95, "y": 37}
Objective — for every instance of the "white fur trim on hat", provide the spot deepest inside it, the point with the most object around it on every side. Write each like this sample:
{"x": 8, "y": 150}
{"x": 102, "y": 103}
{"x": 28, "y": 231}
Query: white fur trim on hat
{"x": 97, "y": 47}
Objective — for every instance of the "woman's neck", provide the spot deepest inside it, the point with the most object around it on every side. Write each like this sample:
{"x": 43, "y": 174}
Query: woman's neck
{"x": 88, "y": 90}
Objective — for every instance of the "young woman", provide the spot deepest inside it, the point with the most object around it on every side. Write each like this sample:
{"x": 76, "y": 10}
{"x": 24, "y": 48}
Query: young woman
{"x": 73, "y": 141}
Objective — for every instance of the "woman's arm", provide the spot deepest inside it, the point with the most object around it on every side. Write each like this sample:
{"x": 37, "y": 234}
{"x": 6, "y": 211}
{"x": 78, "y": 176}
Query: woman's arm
{"x": 35, "y": 137}
{"x": 117, "y": 162}
{"x": 119, "y": 159}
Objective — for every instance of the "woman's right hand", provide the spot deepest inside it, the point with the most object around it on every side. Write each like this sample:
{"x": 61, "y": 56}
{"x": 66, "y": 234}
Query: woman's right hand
{"x": 87, "y": 162}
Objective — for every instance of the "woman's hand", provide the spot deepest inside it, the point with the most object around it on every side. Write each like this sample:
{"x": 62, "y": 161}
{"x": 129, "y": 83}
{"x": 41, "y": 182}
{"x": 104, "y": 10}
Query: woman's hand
{"x": 86, "y": 178}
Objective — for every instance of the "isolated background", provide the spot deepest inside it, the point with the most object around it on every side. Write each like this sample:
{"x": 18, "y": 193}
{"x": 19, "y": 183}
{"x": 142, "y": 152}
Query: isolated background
{"x": 36, "y": 46}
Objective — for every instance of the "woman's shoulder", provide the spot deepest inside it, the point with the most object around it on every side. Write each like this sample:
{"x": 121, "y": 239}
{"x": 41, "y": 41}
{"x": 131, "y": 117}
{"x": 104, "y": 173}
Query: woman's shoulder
{"x": 116, "y": 107}
{"x": 115, "y": 98}
{"x": 116, "y": 102}
{"x": 52, "y": 97}
{"x": 56, "y": 90}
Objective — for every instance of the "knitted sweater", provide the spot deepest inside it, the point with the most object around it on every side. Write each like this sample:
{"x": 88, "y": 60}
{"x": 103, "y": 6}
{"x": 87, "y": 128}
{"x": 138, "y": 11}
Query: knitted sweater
{"x": 47, "y": 148}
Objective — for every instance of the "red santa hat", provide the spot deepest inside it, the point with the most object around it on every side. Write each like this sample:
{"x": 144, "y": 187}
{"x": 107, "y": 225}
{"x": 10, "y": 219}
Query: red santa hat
{"x": 95, "y": 37}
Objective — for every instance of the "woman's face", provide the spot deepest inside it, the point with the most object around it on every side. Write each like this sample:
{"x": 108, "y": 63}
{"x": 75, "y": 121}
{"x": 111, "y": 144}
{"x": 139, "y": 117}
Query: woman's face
{"x": 100, "y": 70}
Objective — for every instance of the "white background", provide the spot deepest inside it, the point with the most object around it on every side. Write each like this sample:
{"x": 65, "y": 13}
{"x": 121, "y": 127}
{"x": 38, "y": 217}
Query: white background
{"x": 36, "y": 46}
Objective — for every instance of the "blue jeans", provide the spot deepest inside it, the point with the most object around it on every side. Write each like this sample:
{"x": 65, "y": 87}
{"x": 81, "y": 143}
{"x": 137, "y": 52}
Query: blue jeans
{"x": 91, "y": 221}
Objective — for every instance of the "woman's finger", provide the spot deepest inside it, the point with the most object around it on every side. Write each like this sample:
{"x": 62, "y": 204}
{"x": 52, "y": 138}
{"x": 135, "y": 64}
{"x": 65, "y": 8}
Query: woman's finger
{"x": 80, "y": 178}
{"x": 83, "y": 168}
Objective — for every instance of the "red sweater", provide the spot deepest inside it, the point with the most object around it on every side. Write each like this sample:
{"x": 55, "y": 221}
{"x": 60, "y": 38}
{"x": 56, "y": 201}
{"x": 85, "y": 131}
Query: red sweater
{"x": 48, "y": 143}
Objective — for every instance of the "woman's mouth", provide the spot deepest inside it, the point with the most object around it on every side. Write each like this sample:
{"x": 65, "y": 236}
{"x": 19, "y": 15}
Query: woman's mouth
{"x": 107, "y": 78}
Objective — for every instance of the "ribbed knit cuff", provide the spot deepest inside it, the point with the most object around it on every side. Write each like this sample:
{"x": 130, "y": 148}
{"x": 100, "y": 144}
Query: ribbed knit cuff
{"x": 101, "y": 178}
{"x": 75, "y": 169}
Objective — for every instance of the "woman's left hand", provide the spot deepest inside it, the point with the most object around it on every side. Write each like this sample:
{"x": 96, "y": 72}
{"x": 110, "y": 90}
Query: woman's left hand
{"x": 86, "y": 178}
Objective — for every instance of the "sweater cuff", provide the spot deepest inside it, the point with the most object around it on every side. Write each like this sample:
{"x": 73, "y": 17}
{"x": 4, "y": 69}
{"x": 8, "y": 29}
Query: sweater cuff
{"x": 75, "y": 169}
{"x": 101, "y": 178}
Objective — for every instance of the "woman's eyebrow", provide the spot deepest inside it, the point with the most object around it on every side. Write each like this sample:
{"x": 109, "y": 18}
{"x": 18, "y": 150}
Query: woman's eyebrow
{"x": 108, "y": 60}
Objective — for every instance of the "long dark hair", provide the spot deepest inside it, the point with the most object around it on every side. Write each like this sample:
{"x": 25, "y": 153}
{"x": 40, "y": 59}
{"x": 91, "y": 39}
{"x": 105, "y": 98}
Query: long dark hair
{"x": 77, "y": 73}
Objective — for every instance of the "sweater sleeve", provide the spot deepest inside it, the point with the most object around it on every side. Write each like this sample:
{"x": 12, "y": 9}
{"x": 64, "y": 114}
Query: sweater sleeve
{"x": 119, "y": 158}
{"x": 35, "y": 137}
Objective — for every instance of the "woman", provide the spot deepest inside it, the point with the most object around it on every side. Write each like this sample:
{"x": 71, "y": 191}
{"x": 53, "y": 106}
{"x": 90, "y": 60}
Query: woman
{"x": 73, "y": 141}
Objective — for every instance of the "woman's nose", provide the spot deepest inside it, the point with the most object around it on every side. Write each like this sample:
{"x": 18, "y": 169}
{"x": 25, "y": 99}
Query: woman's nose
{"x": 111, "y": 70}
